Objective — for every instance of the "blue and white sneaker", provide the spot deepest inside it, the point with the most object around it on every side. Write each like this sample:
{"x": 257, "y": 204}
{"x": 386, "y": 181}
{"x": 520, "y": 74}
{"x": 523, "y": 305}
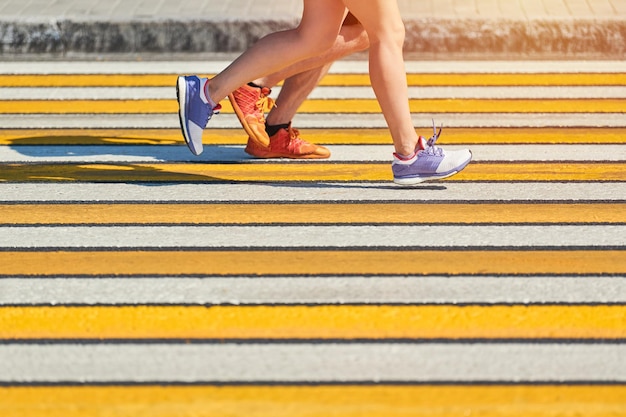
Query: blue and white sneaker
{"x": 429, "y": 162}
{"x": 194, "y": 110}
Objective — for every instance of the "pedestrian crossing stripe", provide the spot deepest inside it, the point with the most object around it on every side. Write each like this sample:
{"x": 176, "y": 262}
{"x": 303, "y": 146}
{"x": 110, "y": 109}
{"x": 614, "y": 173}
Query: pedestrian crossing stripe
{"x": 134, "y": 154}
{"x": 328, "y": 93}
{"x": 348, "y": 66}
{"x": 483, "y": 290}
{"x": 300, "y": 172}
{"x": 479, "y": 121}
{"x": 265, "y": 362}
{"x": 374, "y": 136}
{"x": 345, "y": 400}
{"x": 307, "y": 213}
{"x": 354, "y": 106}
{"x": 86, "y": 262}
{"x": 335, "y": 192}
{"x": 313, "y": 322}
{"x": 422, "y": 79}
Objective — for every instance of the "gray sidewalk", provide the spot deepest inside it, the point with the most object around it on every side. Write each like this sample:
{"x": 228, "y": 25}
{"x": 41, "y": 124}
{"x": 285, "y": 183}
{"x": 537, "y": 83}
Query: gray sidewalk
{"x": 516, "y": 28}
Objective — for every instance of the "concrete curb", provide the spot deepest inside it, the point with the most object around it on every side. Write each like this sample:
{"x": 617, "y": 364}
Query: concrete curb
{"x": 567, "y": 38}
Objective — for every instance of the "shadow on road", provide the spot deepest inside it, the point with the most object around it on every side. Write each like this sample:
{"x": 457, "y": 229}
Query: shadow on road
{"x": 167, "y": 161}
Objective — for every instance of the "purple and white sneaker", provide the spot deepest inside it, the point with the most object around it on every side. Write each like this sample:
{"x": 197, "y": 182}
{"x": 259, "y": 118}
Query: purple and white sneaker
{"x": 429, "y": 162}
{"x": 194, "y": 110}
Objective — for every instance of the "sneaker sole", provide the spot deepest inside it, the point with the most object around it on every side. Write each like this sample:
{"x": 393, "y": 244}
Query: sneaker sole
{"x": 242, "y": 119}
{"x": 436, "y": 177}
{"x": 269, "y": 155}
{"x": 419, "y": 180}
{"x": 263, "y": 154}
{"x": 181, "y": 95}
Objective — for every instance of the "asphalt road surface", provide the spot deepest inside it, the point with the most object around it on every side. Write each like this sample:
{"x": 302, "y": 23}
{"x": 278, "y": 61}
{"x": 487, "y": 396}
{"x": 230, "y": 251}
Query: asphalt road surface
{"x": 139, "y": 280}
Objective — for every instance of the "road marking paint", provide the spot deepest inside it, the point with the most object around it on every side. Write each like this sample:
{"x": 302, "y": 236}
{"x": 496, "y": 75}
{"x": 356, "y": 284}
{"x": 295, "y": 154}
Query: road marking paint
{"x": 325, "y": 92}
{"x": 480, "y": 121}
{"x": 320, "y": 213}
{"x": 463, "y": 192}
{"x": 339, "y": 153}
{"x": 335, "y": 262}
{"x": 314, "y": 322}
{"x": 310, "y": 291}
{"x": 313, "y": 363}
{"x": 301, "y": 401}
{"x": 210, "y": 66}
{"x": 314, "y": 236}
{"x": 322, "y": 106}
{"x": 588, "y": 333}
{"x": 120, "y": 79}
{"x": 356, "y": 136}
{"x": 288, "y": 172}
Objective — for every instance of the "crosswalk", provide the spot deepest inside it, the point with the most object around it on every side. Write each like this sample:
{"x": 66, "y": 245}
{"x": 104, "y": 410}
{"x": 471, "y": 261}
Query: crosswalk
{"x": 138, "y": 280}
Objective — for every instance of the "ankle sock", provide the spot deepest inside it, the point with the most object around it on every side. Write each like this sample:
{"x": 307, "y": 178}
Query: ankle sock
{"x": 255, "y": 85}
{"x": 273, "y": 129}
{"x": 404, "y": 157}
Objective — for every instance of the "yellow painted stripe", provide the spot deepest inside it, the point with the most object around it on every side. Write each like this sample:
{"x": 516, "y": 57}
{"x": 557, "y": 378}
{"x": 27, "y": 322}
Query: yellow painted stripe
{"x": 504, "y": 79}
{"x": 549, "y": 135}
{"x": 89, "y": 80}
{"x": 307, "y": 401}
{"x": 313, "y": 322}
{"x": 312, "y": 262}
{"x": 324, "y": 106}
{"x": 251, "y": 172}
{"x": 116, "y": 137}
{"x": 309, "y": 213}
{"x": 469, "y": 79}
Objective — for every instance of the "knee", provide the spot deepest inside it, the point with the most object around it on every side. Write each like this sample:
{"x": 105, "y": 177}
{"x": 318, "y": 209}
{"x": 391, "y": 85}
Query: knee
{"x": 389, "y": 35}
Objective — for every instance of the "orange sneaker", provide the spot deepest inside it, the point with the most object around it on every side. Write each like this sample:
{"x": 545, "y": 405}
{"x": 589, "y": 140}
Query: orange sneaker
{"x": 250, "y": 105}
{"x": 286, "y": 143}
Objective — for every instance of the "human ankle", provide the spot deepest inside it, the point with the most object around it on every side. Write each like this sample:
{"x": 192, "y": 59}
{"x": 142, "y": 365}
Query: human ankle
{"x": 207, "y": 94}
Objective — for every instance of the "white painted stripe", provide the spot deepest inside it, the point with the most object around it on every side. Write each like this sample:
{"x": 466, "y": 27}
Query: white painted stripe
{"x": 320, "y": 290}
{"x": 167, "y": 93}
{"x": 476, "y": 120}
{"x": 88, "y": 93}
{"x": 321, "y": 236}
{"x": 301, "y": 362}
{"x": 211, "y": 66}
{"x": 343, "y": 153}
{"x": 321, "y": 121}
{"x": 532, "y": 92}
{"x": 322, "y": 191}
{"x": 491, "y": 67}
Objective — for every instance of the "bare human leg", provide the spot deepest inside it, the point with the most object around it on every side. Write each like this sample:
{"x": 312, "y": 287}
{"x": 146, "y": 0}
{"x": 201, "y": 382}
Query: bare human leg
{"x": 383, "y": 23}
{"x": 277, "y": 138}
{"x": 198, "y": 98}
{"x": 415, "y": 160}
{"x": 316, "y": 33}
{"x": 302, "y": 77}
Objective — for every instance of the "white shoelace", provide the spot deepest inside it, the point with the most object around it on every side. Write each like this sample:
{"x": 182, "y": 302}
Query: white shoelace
{"x": 430, "y": 148}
